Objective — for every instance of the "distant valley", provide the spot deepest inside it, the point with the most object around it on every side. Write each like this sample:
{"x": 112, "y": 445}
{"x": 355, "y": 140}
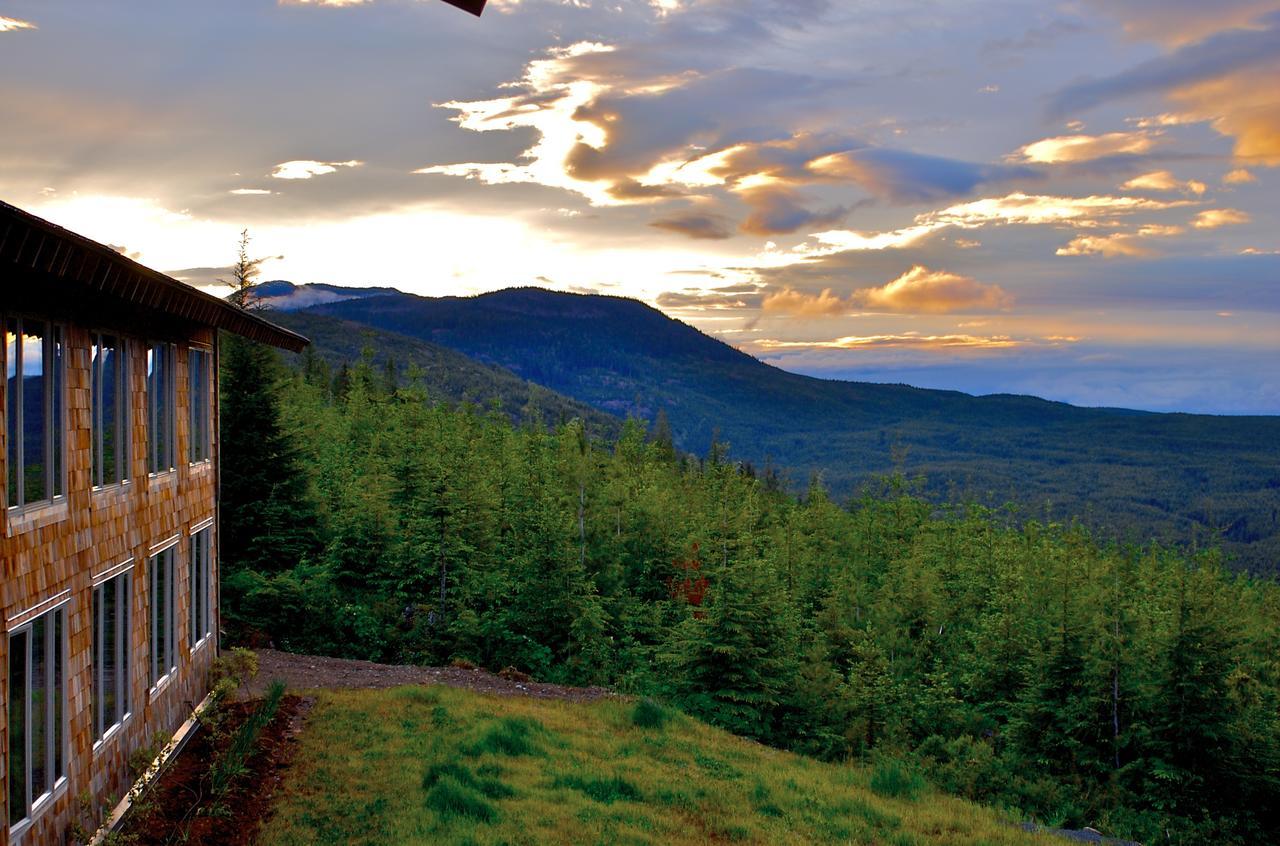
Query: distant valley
{"x": 1133, "y": 475}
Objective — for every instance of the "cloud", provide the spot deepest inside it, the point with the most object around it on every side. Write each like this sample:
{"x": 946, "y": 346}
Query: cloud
{"x": 1215, "y": 80}
{"x": 329, "y": 3}
{"x": 1118, "y": 244}
{"x": 1214, "y": 218}
{"x": 697, "y": 225}
{"x": 632, "y": 123}
{"x": 1035, "y": 38}
{"x": 1016, "y": 209}
{"x": 906, "y": 177}
{"x": 800, "y": 304}
{"x": 1083, "y": 148}
{"x": 1239, "y": 176}
{"x": 249, "y": 192}
{"x": 1177, "y": 22}
{"x": 551, "y": 96}
{"x": 714, "y": 299}
{"x": 307, "y": 168}
{"x": 1163, "y": 180}
{"x": 777, "y": 211}
{"x": 917, "y": 291}
{"x": 924, "y": 291}
{"x": 906, "y": 339}
{"x": 1019, "y": 208}
{"x": 14, "y": 24}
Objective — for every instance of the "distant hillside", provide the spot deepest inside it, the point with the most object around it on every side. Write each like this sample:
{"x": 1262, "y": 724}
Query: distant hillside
{"x": 447, "y": 375}
{"x": 1139, "y": 475}
{"x": 286, "y": 296}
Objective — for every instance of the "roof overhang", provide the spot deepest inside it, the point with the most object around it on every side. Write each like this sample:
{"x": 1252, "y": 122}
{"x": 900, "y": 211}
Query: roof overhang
{"x": 475, "y": 7}
{"x": 80, "y": 275}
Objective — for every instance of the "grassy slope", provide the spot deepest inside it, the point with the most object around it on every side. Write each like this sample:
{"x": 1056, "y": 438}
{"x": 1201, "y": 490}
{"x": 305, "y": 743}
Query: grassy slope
{"x": 440, "y": 765}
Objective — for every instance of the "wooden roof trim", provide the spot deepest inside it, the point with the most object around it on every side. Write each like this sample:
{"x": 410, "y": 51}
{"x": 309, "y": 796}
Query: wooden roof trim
{"x": 33, "y": 243}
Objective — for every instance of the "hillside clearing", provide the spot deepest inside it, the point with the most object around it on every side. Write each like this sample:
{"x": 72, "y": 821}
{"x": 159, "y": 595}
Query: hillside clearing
{"x": 302, "y": 672}
{"x": 442, "y": 765}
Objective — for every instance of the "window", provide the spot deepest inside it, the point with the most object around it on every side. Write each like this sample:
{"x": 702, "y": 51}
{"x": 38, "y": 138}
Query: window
{"x": 112, "y": 608}
{"x": 160, "y": 403}
{"x": 36, "y": 713}
{"x": 201, "y": 550}
{"x": 160, "y": 572}
{"x": 198, "y": 379}
{"x": 34, "y": 355}
{"x": 110, "y": 396}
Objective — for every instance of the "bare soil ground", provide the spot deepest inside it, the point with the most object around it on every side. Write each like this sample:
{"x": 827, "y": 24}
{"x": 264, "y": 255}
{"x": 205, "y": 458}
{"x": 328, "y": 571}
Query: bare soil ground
{"x": 309, "y": 672}
{"x": 177, "y": 808}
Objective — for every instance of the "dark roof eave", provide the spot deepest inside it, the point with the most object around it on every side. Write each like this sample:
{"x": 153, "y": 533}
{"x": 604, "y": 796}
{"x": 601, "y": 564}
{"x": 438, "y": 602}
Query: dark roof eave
{"x": 32, "y": 243}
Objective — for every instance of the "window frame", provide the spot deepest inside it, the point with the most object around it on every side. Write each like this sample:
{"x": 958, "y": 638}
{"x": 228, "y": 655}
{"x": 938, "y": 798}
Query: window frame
{"x": 199, "y": 414}
{"x": 165, "y": 413}
{"x": 54, "y": 362}
{"x": 199, "y": 586}
{"x": 57, "y": 742}
{"x": 167, "y": 661}
{"x": 120, "y": 580}
{"x": 124, "y": 410}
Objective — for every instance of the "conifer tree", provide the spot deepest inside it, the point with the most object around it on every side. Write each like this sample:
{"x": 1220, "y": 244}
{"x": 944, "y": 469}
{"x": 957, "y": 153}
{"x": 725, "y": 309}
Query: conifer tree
{"x": 268, "y": 520}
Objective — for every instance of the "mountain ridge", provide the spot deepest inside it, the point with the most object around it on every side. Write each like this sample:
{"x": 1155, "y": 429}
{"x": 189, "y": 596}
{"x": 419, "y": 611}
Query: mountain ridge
{"x": 1137, "y": 474}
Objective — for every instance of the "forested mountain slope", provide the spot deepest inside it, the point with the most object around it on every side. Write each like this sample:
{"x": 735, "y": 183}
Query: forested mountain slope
{"x": 447, "y": 375}
{"x": 1131, "y": 689}
{"x": 1180, "y": 477}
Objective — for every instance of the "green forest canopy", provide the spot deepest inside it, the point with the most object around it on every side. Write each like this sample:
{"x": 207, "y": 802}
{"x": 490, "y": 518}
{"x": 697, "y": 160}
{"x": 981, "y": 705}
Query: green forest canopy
{"x": 1131, "y": 688}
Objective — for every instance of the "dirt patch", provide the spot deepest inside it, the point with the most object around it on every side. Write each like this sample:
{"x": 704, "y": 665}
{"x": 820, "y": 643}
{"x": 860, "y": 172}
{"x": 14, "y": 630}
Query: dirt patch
{"x": 309, "y": 672}
{"x": 177, "y": 808}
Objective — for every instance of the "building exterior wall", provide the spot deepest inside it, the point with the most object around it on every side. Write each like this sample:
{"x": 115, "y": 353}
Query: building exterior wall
{"x": 53, "y": 553}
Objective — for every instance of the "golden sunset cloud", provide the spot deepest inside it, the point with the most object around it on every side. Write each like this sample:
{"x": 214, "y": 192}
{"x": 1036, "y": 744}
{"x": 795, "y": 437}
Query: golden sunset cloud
{"x": 1163, "y": 180}
{"x": 924, "y": 291}
{"x": 1213, "y": 218}
{"x": 797, "y": 303}
{"x": 1082, "y": 148}
{"x": 1239, "y": 176}
{"x": 307, "y": 168}
{"x": 14, "y": 24}
{"x": 1118, "y": 244}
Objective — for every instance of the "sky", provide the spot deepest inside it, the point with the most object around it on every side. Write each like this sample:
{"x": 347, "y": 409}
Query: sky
{"x": 1076, "y": 200}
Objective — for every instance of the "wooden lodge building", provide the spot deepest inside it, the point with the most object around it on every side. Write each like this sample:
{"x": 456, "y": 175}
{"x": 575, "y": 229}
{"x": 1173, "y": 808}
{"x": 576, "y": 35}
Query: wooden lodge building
{"x": 109, "y": 541}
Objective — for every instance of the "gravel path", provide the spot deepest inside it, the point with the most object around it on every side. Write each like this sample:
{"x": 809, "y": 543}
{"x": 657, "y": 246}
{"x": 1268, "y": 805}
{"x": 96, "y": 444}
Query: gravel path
{"x": 308, "y": 672}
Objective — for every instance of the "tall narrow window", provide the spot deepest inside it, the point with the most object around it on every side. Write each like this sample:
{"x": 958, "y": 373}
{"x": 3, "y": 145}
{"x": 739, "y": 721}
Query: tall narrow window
{"x": 160, "y": 405}
{"x": 162, "y": 628}
{"x": 36, "y": 713}
{"x": 34, "y": 362}
{"x": 201, "y": 553}
{"x": 110, "y": 397}
{"x": 198, "y": 398}
{"x": 112, "y": 604}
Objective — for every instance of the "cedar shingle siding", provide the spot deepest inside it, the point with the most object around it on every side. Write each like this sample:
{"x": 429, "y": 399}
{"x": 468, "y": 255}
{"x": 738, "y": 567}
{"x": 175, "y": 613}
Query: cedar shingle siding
{"x": 52, "y": 553}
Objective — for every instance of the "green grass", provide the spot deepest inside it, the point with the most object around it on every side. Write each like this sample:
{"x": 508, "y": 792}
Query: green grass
{"x": 895, "y": 778}
{"x": 441, "y": 766}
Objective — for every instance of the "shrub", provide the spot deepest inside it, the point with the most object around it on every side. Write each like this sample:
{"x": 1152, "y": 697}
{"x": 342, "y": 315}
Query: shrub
{"x": 234, "y": 761}
{"x": 512, "y": 736}
{"x": 239, "y": 666}
{"x": 896, "y": 779}
{"x": 603, "y": 790}
{"x": 649, "y": 714}
{"x": 450, "y": 798}
{"x": 512, "y": 674}
{"x": 491, "y": 788}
